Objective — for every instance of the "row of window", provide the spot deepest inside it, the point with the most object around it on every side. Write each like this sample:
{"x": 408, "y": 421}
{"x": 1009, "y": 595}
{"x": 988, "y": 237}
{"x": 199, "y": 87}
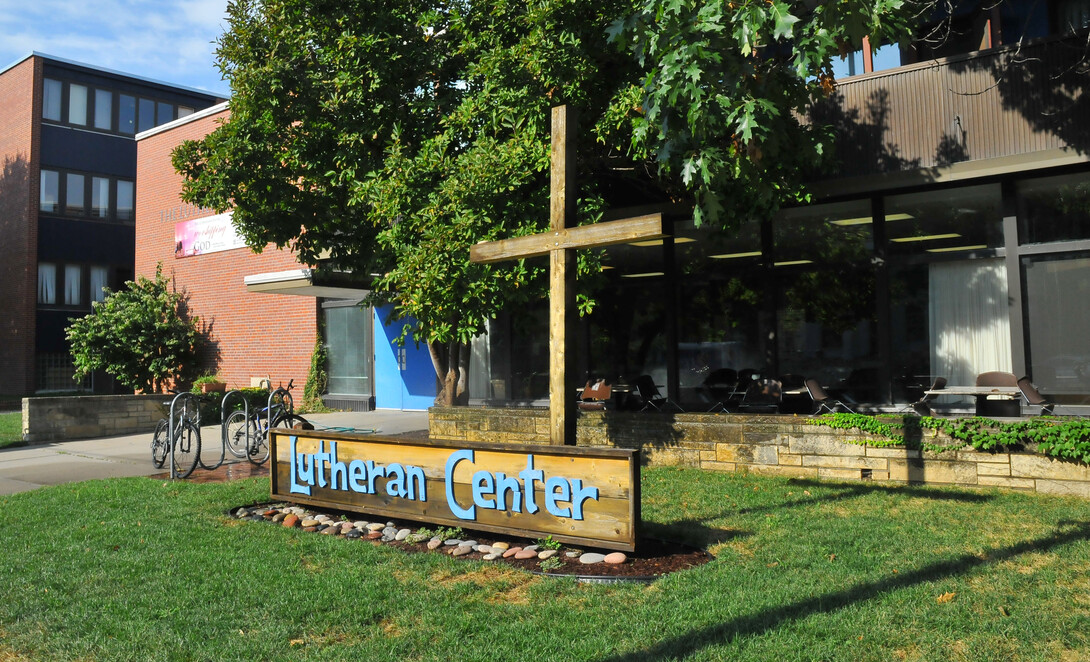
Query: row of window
{"x": 71, "y": 284}
{"x": 104, "y": 109}
{"x": 86, "y": 196}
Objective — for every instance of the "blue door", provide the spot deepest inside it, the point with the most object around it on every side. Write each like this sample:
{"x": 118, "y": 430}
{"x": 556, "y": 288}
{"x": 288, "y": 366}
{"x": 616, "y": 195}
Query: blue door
{"x": 404, "y": 376}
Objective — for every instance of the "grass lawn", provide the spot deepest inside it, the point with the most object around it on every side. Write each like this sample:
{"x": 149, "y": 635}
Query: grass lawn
{"x": 139, "y": 569}
{"x": 11, "y": 428}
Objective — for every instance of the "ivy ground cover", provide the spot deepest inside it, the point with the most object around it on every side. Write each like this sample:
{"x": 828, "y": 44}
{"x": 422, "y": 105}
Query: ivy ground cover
{"x": 146, "y": 569}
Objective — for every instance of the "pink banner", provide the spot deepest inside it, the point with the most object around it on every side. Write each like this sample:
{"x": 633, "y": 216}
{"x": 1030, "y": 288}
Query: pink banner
{"x": 206, "y": 235}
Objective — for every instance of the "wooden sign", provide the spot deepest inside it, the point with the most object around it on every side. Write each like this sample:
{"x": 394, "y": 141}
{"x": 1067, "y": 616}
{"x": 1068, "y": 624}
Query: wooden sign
{"x": 584, "y": 496}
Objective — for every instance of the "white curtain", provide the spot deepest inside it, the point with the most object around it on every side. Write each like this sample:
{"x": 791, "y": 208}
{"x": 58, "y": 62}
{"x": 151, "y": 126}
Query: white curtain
{"x": 47, "y": 283}
{"x": 72, "y": 284}
{"x": 969, "y": 322}
{"x": 100, "y": 278}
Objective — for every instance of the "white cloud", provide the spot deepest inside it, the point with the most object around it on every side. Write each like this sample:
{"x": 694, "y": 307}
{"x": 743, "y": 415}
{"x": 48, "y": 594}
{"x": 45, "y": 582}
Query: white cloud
{"x": 172, "y": 42}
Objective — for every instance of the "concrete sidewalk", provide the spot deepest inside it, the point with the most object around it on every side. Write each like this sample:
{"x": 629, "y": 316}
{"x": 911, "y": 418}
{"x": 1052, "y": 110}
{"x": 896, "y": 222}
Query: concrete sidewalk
{"x": 29, "y": 467}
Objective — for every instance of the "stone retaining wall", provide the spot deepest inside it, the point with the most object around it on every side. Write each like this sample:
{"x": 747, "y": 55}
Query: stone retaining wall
{"x": 83, "y": 417}
{"x": 769, "y": 445}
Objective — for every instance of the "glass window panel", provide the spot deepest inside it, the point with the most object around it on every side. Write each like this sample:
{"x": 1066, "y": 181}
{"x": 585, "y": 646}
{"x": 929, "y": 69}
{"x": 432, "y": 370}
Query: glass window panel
{"x": 850, "y": 65}
{"x": 47, "y": 283}
{"x": 49, "y": 196}
{"x": 947, "y": 222}
{"x": 146, "y": 118}
{"x": 100, "y": 197}
{"x": 184, "y": 111}
{"x": 1054, "y": 209}
{"x": 165, "y": 113}
{"x": 77, "y": 104}
{"x": 887, "y": 57}
{"x": 51, "y": 99}
{"x": 73, "y": 283}
{"x": 100, "y": 279}
{"x": 347, "y": 330}
{"x": 124, "y": 200}
{"x": 74, "y": 202}
{"x": 832, "y": 233}
{"x": 104, "y": 109}
{"x": 1058, "y": 320}
{"x": 126, "y": 113}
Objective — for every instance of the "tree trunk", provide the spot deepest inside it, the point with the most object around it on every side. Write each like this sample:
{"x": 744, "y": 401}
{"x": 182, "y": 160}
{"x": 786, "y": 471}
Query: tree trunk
{"x": 451, "y": 363}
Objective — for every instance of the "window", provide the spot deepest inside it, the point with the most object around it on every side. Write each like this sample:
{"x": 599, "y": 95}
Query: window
{"x": 100, "y": 197}
{"x": 165, "y": 113}
{"x": 77, "y": 104}
{"x": 126, "y": 113}
{"x": 49, "y": 196}
{"x": 100, "y": 279}
{"x": 1074, "y": 15}
{"x": 850, "y": 65}
{"x": 47, "y": 283}
{"x": 1054, "y": 209}
{"x": 886, "y": 57}
{"x": 51, "y": 99}
{"x": 74, "y": 203}
{"x": 73, "y": 283}
{"x": 124, "y": 200}
{"x": 146, "y": 118}
{"x": 184, "y": 111}
{"x": 104, "y": 109}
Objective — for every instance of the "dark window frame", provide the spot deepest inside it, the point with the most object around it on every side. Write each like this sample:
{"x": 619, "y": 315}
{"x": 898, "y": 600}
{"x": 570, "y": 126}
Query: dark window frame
{"x": 88, "y": 189}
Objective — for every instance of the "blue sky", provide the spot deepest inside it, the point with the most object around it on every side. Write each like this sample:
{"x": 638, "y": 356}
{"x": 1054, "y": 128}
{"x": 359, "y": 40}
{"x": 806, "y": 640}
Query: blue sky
{"x": 166, "y": 40}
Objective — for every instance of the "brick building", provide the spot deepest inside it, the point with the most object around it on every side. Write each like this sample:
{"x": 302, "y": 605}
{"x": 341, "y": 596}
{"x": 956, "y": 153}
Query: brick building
{"x": 67, "y": 203}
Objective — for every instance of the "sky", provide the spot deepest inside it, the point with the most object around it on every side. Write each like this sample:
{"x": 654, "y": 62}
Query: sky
{"x": 172, "y": 41}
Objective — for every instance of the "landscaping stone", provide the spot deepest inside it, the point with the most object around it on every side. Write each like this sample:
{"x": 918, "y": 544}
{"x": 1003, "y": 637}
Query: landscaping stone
{"x": 615, "y": 558}
{"x": 310, "y": 521}
{"x": 279, "y": 517}
{"x": 511, "y": 552}
{"x": 291, "y": 520}
{"x": 242, "y": 513}
{"x": 525, "y": 553}
{"x": 389, "y": 531}
{"x": 471, "y": 543}
{"x": 572, "y": 554}
{"x": 435, "y": 543}
{"x": 402, "y": 534}
{"x": 310, "y": 529}
{"x": 592, "y": 557}
{"x": 462, "y": 550}
{"x": 360, "y": 524}
{"x": 354, "y": 534}
{"x": 501, "y": 546}
{"x": 532, "y": 548}
{"x": 546, "y": 554}
{"x": 374, "y": 535}
{"x": 375, "y": 526}
{"x": 483, "y": 549}
{"x": 490, "y": 557}
{"x": 453, "y": 542}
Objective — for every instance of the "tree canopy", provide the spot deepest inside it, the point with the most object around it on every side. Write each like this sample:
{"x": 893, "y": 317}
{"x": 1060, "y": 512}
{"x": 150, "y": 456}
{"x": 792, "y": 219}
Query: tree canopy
{"x": 388, "y": 137}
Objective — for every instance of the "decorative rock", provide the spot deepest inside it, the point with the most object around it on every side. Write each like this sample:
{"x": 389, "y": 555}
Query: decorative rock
{"x": 386, "y": 538}
{"x": 374, "y": 535}
{"x": 511, "y": 552}
{"x": 532, "y": 548}
{"x": 453, "y": 542}
{"x": 310, "y": 521}
{"x": 291, "y": 520}
{"x": 483, "y": 549}
{"x": 375, "y": 526}
{"x": 272, "y": 512}
{"x": 310, "y": 529}
{"x": 546, "y": 554}
{"x": 389, "y": 531}
{"x": 592, "y": 557}
{"x": 462, "y": 550}
{"x": 360, "y": 524}
{"x": 279, "y": 517}
{"x": 435, "y": 543}
{"x": 402, "y": 534}
{"x": 523, "y": 554}
{"x": 354, "y": 534}
{"x": 615, "y": 558}
{"x": 471, "y": 543}
{"x": 501, "y": 546}
{"x": 241, "y": 513}
{"x": 572, "y": 554}
{"x": 331, "y": 531}
{"x": 323, "y": 518}
{"x": 490, "y": 557}
{"x": 393, "y": 524}
{"x": 256, "y": 517}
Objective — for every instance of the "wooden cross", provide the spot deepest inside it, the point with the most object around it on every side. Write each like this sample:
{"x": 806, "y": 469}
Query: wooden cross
{"x": 560, "y": 243}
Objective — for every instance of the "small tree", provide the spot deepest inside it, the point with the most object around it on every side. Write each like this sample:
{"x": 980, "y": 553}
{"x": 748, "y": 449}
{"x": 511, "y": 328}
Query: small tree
{"x": 141, "y": 335}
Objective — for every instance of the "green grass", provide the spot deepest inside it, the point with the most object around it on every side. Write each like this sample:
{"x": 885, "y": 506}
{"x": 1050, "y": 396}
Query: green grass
{"x": 11, "y": 428}
{"x": 139, "y": 569}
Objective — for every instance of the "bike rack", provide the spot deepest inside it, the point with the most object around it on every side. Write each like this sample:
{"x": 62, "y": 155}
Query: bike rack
{"x": 224, "y": 415}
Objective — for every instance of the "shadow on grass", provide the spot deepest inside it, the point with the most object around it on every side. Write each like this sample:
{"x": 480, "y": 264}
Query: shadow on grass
{"x": 691, "y": 532}
{"x": 694, "y": 641}
{"x": 845, "y": 492}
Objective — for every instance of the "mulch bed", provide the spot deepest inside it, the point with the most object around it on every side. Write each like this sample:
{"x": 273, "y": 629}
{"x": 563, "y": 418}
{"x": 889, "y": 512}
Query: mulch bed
{"x": 652, "y": 558}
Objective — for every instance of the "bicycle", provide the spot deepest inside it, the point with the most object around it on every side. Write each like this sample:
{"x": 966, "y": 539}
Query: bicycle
{"x": 247, "y": 435}
{"x": 178, "y": 436}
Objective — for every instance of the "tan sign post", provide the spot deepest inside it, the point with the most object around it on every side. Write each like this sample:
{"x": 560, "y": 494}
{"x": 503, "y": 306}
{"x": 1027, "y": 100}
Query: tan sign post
{"x": 560, "y": 243}
{"x": 583, "y": 496}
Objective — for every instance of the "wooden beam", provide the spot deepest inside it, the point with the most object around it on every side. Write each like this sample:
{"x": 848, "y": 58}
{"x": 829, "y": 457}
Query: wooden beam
{"x": 563, "y": 193}
{"x": 598, "y": 235}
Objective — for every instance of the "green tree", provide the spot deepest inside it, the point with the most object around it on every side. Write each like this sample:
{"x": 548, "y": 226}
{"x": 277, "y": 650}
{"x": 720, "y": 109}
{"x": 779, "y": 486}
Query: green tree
{"x": 141, "y": 335}
{"x": 388, "y": 137}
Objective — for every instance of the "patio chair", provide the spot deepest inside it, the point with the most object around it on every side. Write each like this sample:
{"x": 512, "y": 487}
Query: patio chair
{"x": 1034, "y": 397}
{"x": 921, "y": 406}
{"x": 648, "y": 394}
{"x": 822, "y": 400}
{"x": 763, "y": 395}
{"x": 719, "y": 386}
{"x": 996, "y": 378}
{"x": 595, "y": 396}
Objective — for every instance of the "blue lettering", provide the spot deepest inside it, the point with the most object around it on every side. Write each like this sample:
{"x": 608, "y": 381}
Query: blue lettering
{"x": 337, "y": 469}
{"x": 373, "y": 473}
{"x": 417, "y": 483}
{"x": 295, "y": 487}
{"x": 557, "y": 489}
{"x": 317, "y": 463}
{"x": 395, "y": 487}
{"x": 579, "y": 495}
{"x": 508, "y": 484}
{"x": 528, "y": 476}
{"x": 452, "y": 463}
{"x": 357, "y": 472}
{"x": 482, "y": 487}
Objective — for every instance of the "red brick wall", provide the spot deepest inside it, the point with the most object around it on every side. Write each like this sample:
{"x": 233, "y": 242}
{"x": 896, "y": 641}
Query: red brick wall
{"x": 20, "y": 103}
{"x": 257, "y": 335}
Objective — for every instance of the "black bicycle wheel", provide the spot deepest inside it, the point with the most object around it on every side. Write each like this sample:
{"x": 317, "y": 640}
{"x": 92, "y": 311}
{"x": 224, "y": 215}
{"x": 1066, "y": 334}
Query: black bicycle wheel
{"x": 258, "y": 450}
{"x": 186, "y": 448}
{"x": 211, "y": 456}
{"x": 159, "y": 445}
{"x": 235, "y": 432}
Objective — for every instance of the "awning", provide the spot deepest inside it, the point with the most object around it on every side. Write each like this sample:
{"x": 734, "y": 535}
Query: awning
{"x": 308, "y": 283}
